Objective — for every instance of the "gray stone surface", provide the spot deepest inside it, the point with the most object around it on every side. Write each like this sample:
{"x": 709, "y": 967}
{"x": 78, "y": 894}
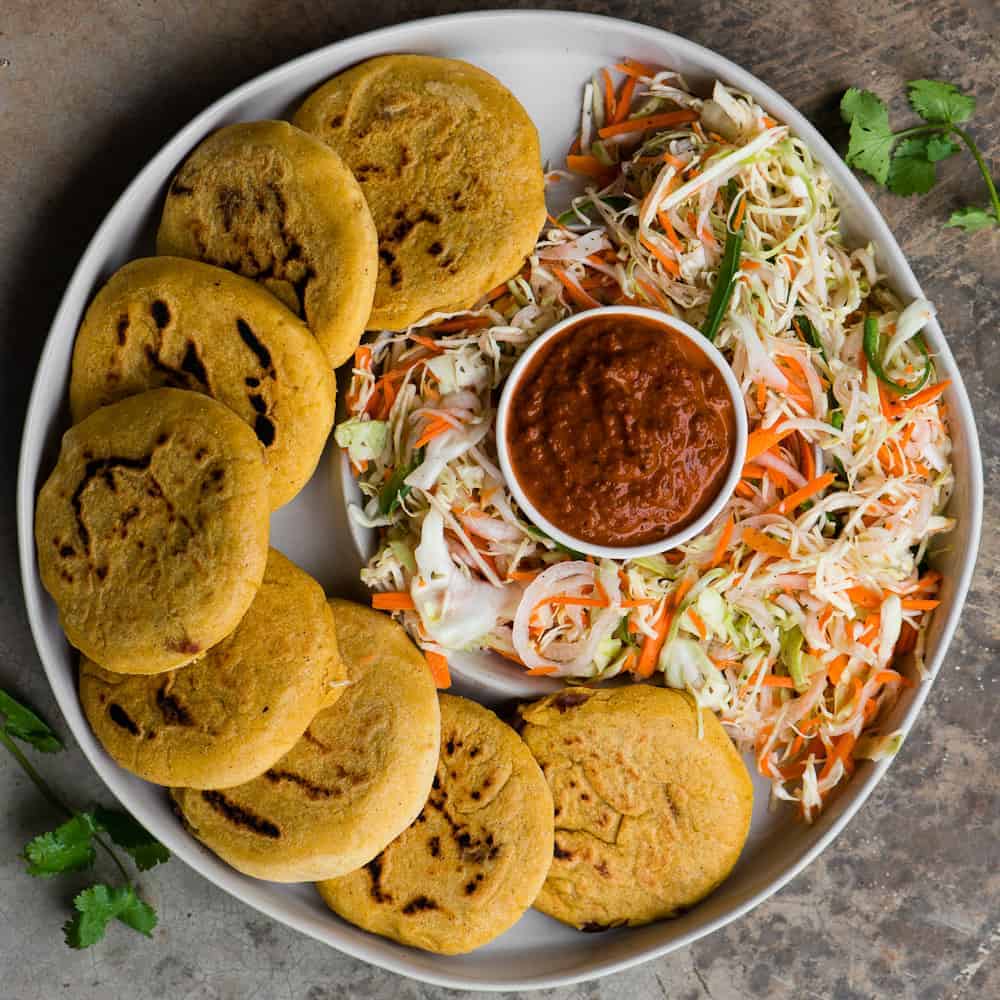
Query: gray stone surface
{"x": 906, "y": 903}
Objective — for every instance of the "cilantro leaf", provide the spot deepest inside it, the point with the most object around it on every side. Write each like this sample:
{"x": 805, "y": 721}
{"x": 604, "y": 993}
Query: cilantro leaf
{"x": 68, "y": 848}
{"x": 126, "y": 832}
{"x": 940, "y": 147}
{"x": 911, "y": 172}
{"x": 872, "y": 140}
{"x": 23, "y": 724}
{"x": 972, "y": 218}
{"x": 100, "y": 904}
{"x": 939, "y": 102}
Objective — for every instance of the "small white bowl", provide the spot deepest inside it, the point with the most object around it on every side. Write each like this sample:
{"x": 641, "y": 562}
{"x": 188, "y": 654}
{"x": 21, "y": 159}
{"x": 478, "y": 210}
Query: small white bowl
{"x": 683, "y": 534}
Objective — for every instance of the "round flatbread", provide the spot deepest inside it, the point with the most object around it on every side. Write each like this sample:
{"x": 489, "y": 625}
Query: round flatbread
{"x": 231, "y": 715}
{"x": 476, "y": 856}
{"x": 166, "y": 321}
{"x": 356, "y": 779}
{"x": 272, "y": 203}
{"x": 650, "y": 817}
{"x": 450, "y": 164}
{"x": 152, "y": 529}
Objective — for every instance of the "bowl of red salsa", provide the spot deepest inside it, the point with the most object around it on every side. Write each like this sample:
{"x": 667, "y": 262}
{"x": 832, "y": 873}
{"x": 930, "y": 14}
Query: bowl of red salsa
{"x": 621, "y": 432}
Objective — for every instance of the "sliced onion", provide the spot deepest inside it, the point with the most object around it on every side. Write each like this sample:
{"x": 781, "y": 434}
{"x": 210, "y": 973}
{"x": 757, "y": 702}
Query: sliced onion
{"x": 564, "y": 578}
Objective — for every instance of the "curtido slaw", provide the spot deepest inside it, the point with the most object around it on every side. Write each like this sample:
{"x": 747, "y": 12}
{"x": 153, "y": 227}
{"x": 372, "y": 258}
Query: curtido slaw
{"x": 788, "y": 615}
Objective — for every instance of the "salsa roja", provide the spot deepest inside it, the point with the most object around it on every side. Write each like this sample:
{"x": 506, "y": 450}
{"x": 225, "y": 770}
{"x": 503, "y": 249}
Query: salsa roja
{"x": 621, "y": 431}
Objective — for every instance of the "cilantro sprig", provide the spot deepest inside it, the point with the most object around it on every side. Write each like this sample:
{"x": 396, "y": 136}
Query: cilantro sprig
{"x": 73, "y": 845}
{"x": 905, "y": 161}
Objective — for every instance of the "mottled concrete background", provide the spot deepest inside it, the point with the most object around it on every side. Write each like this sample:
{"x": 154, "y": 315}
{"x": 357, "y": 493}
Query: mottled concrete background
{"x": 906, "y": 903}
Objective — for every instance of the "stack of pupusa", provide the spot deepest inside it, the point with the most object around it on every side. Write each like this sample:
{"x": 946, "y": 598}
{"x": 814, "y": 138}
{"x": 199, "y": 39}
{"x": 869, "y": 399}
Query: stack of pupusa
{"x": 211, "y": 662}
{"x": 203, "y": 403}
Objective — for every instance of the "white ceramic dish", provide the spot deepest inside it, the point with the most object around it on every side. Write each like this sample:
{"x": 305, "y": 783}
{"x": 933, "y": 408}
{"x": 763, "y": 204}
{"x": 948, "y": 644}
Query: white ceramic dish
{"x": 678, "y": 537}
{"x": 543, "y": 58}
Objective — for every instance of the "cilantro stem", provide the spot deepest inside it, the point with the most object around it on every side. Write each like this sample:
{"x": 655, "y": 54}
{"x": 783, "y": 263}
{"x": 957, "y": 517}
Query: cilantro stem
{"x": 974, "y": 149}
{"x": 38, "y": 781}
{"x": 42, "y": 785}
{"x": 970, "y": 144}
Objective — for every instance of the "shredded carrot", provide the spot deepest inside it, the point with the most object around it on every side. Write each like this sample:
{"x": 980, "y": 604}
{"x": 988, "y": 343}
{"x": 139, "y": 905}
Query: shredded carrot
{"x": 808, "y": 459}
{"x": 906, "y": 641}
{"x": 740, "y": 211}
{"x": 841, "y": 751}
{"x": 393, "y": 600}
{"x": 609, "y": 96}
{"x": 624, "y": 99}
{"x": 575, "y": 601}
{"x": 589, "y": 166}
{"x": 632, "y": 68}
{"x": 363, "y": 357}
{"x": 925, "y": 396}
{"x": 668, "y": 228}
{"x": 725, "y": 537}
{"x": 431, "y": 345}
{"x": 674, "y": 161}
{"x": 437, "y": 426}
{"x": 524, "y": 575}
{"x": 541, "y": 671}
{"x": 911, "y": 604}
{"x": 640, "y": 602}
{"x": 744, "y": 490}
{"x": 495, "y": 293}
{"x": 698, "y": 623}
{"x": 655, "y": 295}
{"x": 577, "y": 294}
{"x": 761, "y": 542}
{"x": 681, "y": 592}
{"x": 669, "y": 264}
{"x": 765, "y": 438}
{"x": 802, "y": 494}
{"x": 650, "y": 121}
{"x": 769, "y": 121}
{"x": 761, "y": 396}
{"x": 825, "y": 616}
{"x": 774, "y": 681}
{"x": 651, "y": 647}
{"x": 837, "y": 667}
{"x": 749, "y": 265}
{"x": 863, "y": 597}
{"x": 439, "y": 668}
{"x": 889, "y": 677}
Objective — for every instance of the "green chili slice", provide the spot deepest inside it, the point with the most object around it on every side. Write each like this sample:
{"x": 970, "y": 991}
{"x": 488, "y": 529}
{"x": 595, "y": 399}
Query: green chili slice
{"x": 723, "y": 291}
{"x": 873, "y": 352}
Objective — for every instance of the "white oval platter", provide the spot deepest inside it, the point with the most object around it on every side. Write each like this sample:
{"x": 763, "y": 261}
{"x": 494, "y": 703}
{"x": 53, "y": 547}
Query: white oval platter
{"x": 544, "y": 58}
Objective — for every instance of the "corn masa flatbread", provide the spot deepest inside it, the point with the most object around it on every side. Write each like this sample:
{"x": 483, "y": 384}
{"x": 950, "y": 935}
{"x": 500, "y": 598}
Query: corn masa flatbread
{"x": 356, "y": 779}
{"x": 229, "y": 716}
{"x": 274, "y": 204}
{"x": 649, "y": 817}
{"x": 167, "y": 321}
{"x": 152, "y": 529}
{"x": 450, "y": 163}
{"x": 478, "y": 853}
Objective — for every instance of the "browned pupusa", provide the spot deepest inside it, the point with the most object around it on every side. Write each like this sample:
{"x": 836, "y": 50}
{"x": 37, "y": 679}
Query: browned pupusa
{"x": 477, "y": 854}
{"x": 449, "y": 162}
{"x": 167, "y": 321}
{"x": 358, "y": 776}
{"x": 168, "y": 488}
{"x": 649, "y": 816}
{"x": 231, "y": 715}
{"x": 274, "y": 204}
